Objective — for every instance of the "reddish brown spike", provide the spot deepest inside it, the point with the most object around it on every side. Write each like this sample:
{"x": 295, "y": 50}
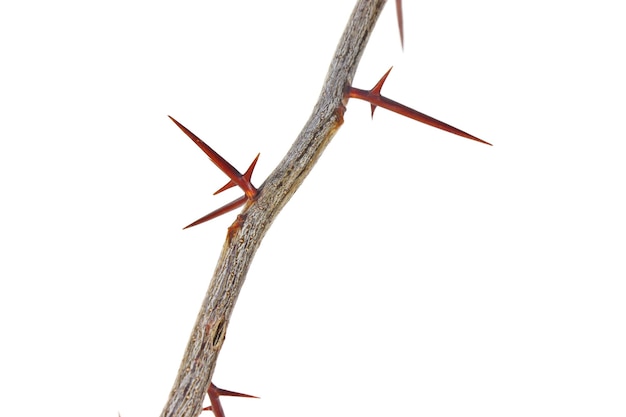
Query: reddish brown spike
{"x": 222, "y": 210}
{"x": 230, "y": 171}
{"x": 226, "y": 393}
{"x": 214, "y": 396}
{"x": 229, "y": 185}
{"x": 378, "y": 87}
{"x": 374, "y": 97}
{"x": 400, "y": 21}
{"x": 247, "y": 176}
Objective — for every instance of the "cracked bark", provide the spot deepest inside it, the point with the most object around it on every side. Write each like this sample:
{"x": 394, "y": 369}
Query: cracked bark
{"x": 245, "y": 235}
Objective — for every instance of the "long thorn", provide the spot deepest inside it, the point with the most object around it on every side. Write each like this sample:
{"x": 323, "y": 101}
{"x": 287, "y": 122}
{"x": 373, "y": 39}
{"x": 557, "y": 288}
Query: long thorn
{"x": 400, "y": 21}
{"x": 374, "y": 97}
{"x": 222, "y": 210}
{"x": 230, "y": 171}
{"x": 403, "y": 110}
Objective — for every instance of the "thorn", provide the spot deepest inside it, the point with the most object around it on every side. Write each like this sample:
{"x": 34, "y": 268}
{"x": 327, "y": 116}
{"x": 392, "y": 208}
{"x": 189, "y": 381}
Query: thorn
{"x": 222, "y": 210}
{"x": 247, "y": 176}
{"x": 214, "y": 396}
{"x": 400, "y": 21}
{"x": 230, "y": 171}
{"x": 374, "y": 97}
{"x": 378, "y": 87}
{"x": 236, "y": 178}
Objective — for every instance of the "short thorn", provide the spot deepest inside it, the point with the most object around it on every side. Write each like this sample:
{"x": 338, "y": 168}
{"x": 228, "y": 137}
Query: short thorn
{"x": 378, "y": 87}
{"x": 214, "y": 396}
{"x": 247, "y": 176}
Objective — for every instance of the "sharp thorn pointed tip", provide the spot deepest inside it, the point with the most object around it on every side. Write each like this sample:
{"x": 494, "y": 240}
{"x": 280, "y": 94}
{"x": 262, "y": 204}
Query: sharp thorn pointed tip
{"x": 479, "y": 140}
{"x": 379, "y": 85}
{"x": 229, "y": 185}
{"x": 190, "y": 225}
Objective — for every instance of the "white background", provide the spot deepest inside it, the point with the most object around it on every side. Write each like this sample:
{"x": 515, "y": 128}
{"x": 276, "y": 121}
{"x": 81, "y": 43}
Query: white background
{"x": 414, "y": 272}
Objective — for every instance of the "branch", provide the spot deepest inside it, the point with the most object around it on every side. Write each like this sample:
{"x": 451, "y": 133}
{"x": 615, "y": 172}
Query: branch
{"x": 245, "y": 235}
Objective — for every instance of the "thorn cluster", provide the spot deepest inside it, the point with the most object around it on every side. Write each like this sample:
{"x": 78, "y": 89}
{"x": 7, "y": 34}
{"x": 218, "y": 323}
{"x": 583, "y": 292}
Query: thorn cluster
{"x": 214, "y": 396}
{"x": 243, "y": 181}
{"x": 374, "y": 97}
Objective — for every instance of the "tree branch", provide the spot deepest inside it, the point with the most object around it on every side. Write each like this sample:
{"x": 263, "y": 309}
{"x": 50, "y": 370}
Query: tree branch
{"x": 246, "y": 233}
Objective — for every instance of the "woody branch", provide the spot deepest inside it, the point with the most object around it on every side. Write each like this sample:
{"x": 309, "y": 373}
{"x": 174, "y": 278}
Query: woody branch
{"x": 245, "y": 235}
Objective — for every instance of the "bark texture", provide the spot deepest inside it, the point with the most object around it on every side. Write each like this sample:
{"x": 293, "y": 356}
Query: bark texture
{"x": 246, "y": 233}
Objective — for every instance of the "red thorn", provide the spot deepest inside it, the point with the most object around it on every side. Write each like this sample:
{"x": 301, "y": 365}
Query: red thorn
{"x": 374, "y": 97}
{"x": 236, "y": 178}
{"x": 247, "y": 176}
{"x": 378, "y": 87}
{"x": 230, "y": 171}
{"x": 226, "y": 393}
{"x": 214, "y": 396}
{"x": 222, "y": 210}
{"x": 400, "y": 21}
{"x": 228, "y": 185}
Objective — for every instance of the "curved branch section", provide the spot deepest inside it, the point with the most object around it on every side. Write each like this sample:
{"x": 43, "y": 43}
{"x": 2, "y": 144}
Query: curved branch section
{"x": 245, "y": 235}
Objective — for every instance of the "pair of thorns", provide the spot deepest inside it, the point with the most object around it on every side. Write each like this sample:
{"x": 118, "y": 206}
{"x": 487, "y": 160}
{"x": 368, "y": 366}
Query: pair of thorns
{"x": 244, "y": 181}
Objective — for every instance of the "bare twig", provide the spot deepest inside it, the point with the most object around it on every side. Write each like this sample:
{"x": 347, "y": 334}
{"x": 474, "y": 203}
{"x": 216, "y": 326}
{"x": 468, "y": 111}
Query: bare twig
{"x": 245, "y": 235}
